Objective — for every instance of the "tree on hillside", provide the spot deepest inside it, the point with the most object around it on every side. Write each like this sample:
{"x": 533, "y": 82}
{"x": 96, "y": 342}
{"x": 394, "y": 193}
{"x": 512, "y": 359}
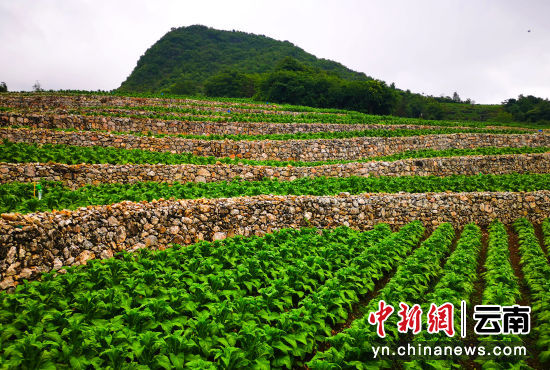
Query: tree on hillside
{"x": 456, "y": 97}
{"x": 183, "y": 86}
{"x": 433, "y": 111}
{"x": 3, "y": 87}
{"x": 36, "y": 87}
{"x": 290, "y": 64}
{"x": 230, "y": 84}
{"x": 539, "y": 113}
{"x": 294, "y": 83}
{"x": 528, "y": 108}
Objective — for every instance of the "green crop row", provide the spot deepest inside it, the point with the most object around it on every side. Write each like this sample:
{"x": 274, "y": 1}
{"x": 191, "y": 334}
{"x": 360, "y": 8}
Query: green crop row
{"x": 501, "y": 288}
{"x": 330, "y": 304}
{"x": 411, "y": 282}
{"x": 456, "y": 285}
{"x": 71, "y": 154}
{"x": 231, "y": 113}
{"x": 312, "y": 135}
{"x": 20, "y": 197}
{"x": 537, "y": 275}
{"x": 501, "y": 283}
{"x": 278, "y": 115}
{"x": 243, "y": 302}
{"x": 216, "y": 113}
{"x": 347, "y": 134}
{"x": 330, "y": 135}
{"x": 546, "y": 235}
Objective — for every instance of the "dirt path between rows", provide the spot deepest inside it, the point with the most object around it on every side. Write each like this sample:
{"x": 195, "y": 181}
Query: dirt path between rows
{"x": 525, "y": 299}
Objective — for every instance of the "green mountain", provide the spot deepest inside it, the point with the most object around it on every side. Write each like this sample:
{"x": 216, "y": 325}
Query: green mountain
{"x": 188, "y": 56}
{"x": 199, "y": 59}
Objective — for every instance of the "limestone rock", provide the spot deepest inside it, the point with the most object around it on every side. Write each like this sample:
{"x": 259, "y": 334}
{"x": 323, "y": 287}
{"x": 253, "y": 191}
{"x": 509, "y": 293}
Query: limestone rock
{"x": 84, "y": 257}
{"x": 219, "y": 236}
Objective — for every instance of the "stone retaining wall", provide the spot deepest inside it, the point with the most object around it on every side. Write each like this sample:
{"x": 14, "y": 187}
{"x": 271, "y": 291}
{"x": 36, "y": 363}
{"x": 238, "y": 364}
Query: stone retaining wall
{"x": 158, "y": 126}
{"x": 40, "y": 242}
{"x": 79, "y": 175}
{"x": 68, "y": 101}
{"x": 49, "y": 101}
{"x": 300, "y": 150}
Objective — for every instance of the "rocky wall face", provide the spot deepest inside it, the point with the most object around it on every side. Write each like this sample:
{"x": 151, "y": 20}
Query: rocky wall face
{"x": 181, "y": 126}
{"x": 54, "y": 101}
{"x": 39, "y": 242}
{"x": 43, "y": 101}
{"x": 287, "y": 150}
{"x": 79, "y": 175}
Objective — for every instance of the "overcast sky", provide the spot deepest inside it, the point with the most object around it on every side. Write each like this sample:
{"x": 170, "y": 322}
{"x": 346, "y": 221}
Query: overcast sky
{"x": 480, "y": 48}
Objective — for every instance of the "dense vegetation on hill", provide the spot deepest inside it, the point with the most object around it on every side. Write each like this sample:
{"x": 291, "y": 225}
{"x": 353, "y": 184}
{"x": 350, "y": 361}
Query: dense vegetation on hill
{"x": 528, "y": 109}
{"x": 200, "y": 60}
{"x": 296, "y": 83}
{"x": 186, "y": 57}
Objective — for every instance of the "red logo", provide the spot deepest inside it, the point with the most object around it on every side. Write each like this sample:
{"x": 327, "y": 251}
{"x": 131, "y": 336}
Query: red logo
{"x": 378, "y": 317}
{"x": 410, "y": 318}
{"x": 440, "y": 318}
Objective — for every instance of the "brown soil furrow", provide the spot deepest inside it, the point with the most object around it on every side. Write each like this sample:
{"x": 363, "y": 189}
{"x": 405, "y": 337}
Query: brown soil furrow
{"x": 525, "y": 298}
{"x": 476, "y": 299}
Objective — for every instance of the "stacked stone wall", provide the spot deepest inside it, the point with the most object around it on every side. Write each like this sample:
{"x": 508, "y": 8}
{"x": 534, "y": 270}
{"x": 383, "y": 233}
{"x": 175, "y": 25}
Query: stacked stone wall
{"x": 40, "y": 101}
{"x": 39, "y": 242}
{"x": 79, "y": 175}
{"x": 286, "y": 150}
{"x": 181, "y": 126}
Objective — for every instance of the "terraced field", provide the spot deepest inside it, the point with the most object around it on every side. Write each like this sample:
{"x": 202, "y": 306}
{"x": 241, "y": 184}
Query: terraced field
{"x": 171, "y": 233}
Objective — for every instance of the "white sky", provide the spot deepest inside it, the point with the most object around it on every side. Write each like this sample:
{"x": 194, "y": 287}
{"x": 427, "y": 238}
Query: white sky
{"x": 480, "y": 48}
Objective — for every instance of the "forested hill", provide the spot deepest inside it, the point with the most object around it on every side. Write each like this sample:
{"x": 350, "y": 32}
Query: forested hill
{"x": 188, "y": 56}
{"x": 199, "y": 60}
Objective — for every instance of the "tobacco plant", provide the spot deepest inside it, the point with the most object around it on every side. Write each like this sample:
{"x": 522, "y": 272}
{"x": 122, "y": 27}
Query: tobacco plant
{"x": 207, "y": 305}
{"x": 410, "y": 283}
{"x": 536, "y": 271}
{"x": 19, "y": 197}
{"x": 71, "y": 154}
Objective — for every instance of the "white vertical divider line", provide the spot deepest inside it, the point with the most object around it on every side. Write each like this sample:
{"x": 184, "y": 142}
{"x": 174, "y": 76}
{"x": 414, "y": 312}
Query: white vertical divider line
{"x": 463, "y": 319}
